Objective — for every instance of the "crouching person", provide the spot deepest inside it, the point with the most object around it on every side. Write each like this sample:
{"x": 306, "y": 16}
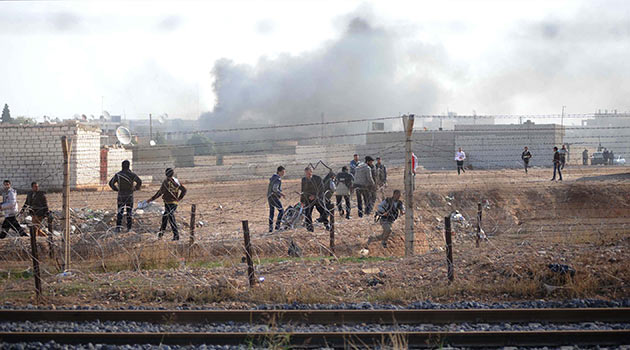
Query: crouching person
{"x": 387, "y": 213}
{"x": 171, "y": 191}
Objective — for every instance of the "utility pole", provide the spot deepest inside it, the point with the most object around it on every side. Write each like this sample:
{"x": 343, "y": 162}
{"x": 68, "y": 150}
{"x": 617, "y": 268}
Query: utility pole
{"x": 322, "y": 136}
{"x": 150, "y": 128}
{"x": 562, "y": 126}
{"x": 408, "y": 177}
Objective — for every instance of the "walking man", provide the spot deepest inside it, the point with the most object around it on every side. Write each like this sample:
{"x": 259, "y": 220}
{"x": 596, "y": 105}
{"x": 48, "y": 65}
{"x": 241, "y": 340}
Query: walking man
{"x": 556, "y": 164}
{"x": 171, "y": 191}
{"x": 563, "y": 156}
{"x": 526, "y": 156}
{"x": 9, "y": 208}
{"x": 123, "y": 183}
{"x": 460, "y": 156}
{"x": 381, "y": 176}
{"x": 387, "y": 213}
{"x": 274, "y": 193}
{"x": 329, "y": 190}
{"x": 585, "y": 157}
{"x": 36, "y": 205}
{"x": 312, "y": 197}
{"x": 345, "y": 181}
{"x": 354, "y": 163}
{"x": 363, "y": 183}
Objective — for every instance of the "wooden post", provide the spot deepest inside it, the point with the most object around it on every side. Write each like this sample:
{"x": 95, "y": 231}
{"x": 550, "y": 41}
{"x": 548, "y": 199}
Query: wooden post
{"x": 193, "y": 209}
{"x": 36, "y": 274}
{"x": 408, "y": 177}
{"x": 332, "y": 233}
{"x": 248, "y": 254}
{"x": 449, "y": 248}
{"x": 50, "y": 238}
{"x": 66, "y": 147}
{"x": 479, "y": 211}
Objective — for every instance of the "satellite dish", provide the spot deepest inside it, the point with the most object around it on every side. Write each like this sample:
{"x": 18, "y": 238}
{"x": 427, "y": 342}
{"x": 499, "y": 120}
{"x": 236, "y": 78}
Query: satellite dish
{"x": 162, "y": 118}
{"x": 106, "y": 115}
{"x": 92, "y": 117}
{"x": 76, "y": 117}
{"x": 152, "y": 143}
{"x": 123, "y": 135}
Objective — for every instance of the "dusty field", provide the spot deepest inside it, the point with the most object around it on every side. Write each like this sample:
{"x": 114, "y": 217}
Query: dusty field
{"x": 530, "y": 222}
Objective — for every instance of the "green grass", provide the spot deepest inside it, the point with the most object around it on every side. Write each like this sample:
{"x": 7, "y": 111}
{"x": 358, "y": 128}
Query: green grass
{"x": 15, "y": 274}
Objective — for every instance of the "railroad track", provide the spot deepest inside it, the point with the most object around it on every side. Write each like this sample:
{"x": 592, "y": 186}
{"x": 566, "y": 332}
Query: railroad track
{"x": 275, "y": 319}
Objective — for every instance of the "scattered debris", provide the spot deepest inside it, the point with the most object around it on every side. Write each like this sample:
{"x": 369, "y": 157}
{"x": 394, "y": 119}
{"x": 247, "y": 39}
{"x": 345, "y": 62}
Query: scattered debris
{"x": 364, "y": 252}
{"x": 294, "y": 250}
{"x": 562, "y": 269}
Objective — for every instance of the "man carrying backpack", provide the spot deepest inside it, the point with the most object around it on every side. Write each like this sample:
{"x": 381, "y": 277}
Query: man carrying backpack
{"x": 171, "y": 192}
{"x": 387, "y": 213}
{"x": 345, "y": 181}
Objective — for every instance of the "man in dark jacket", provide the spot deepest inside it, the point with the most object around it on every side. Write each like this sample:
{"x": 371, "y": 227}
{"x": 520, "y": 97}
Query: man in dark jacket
{"x": 526, "y": 156}
{"x": 36, "y": 205}
{"x": 557, "y": 163}
{"x": 274, "y": 193}
{"x": 123, "y": 183}
{"x": 585, "y": 157}
{"x": 363, "y": 183}
{"x": 388, "y": 212}
{"x": 312, "y": 196}
{"x": 345, "y": 181}
{"x": 171, "y": 191}
{"x": 329, "y": 190}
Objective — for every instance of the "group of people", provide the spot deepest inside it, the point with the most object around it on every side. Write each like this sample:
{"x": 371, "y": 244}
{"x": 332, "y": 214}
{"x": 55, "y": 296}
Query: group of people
{"x": 125, "y": 182}
{"x": 559, "y": 160}
{"x": 365, "y": 178}
{"x": 609, "y": 156}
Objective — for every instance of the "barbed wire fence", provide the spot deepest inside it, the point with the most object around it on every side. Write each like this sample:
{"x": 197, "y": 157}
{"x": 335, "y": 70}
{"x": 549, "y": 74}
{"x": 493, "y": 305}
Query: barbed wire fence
{"x": 216, "y": 257}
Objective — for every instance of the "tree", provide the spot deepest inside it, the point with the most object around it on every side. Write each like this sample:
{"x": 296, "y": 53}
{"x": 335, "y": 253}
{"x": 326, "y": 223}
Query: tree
{"x": 6, "y": 114}
{"x": 202, "y": 144}
{"x": 160, "y": 139}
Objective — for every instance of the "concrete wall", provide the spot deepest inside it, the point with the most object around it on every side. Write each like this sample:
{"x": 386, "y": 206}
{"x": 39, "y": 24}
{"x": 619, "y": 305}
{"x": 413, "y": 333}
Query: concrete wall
{"x": 33, "y": 153}
{"x": 115, "y": 157}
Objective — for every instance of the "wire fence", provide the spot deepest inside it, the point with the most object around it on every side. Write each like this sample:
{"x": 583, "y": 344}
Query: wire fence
{"x": 524, "y": 215}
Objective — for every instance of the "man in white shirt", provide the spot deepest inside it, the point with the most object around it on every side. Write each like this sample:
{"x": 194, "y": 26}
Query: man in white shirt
{"x": 460, "y": 156}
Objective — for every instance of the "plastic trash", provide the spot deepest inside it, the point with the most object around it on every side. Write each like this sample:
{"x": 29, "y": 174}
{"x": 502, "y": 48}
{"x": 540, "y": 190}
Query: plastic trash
{"x": 261, "y": 279}
{"x": 142, "y": 204}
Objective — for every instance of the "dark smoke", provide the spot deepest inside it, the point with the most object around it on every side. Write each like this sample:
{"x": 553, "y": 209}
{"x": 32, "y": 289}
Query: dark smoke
{"x": 358, "y": 75}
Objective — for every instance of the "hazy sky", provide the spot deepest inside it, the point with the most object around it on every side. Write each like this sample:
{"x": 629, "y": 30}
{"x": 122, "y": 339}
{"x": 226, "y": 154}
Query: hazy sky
{"x": 495, "y": 57}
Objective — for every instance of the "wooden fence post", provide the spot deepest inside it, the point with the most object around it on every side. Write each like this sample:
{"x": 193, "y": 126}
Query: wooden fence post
{"x": 36, "y": 274}
{"x": 193, "y": 210}
{"x": 248, "y": 254}
{"x": 409, "y": 185}
{"x": 66, "y": 146}
{"x": 332, "y": 233}
{"x": 449, "y": 248}
{"x": 479, "y": 211}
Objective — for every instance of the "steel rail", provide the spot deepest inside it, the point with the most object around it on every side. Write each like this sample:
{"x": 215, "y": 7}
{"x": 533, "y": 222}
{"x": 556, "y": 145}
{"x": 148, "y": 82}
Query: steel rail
{"x": 446, "y": 316}
{"x": 337, "y": 339}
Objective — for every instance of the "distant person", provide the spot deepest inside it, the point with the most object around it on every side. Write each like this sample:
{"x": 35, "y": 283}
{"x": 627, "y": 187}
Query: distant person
{"x": 556, "y": 164}
{"x": 381, "y": 176}
{"x": 526, "y": 156}
{"x": 363, "y": 183}
{"x": 354, "y": 163}
{"x": 274, "y": 193}
{"x": 387, "y": 212}
{"x": 312, "y": 189}
{"x": 585, "y": 157}
{"x": 345, "y": 181}
{"x": 611, "y": 157}
{"x": 563, "y": 156}
{"x": 9, "y": 208}
{"x": 172, "y": 192}
{"x": 36, "y": 205}
{"x": 605, "y": 155}
{"x": 123, "y": 183}
{"x": 460, "y": 156}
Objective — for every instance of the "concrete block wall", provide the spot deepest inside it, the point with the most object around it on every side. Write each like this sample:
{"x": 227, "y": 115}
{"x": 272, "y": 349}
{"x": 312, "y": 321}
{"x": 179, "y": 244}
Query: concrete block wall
{"x": 33, "y": 153}
{"x": 85, "y": 157}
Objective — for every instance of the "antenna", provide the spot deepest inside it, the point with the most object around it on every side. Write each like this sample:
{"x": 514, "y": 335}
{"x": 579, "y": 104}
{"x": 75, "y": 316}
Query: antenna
{"x": 123, "y": 135}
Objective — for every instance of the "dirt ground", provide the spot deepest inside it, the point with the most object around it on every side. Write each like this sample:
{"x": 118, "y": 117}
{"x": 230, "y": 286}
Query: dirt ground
{"x": 530, "y": 222}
